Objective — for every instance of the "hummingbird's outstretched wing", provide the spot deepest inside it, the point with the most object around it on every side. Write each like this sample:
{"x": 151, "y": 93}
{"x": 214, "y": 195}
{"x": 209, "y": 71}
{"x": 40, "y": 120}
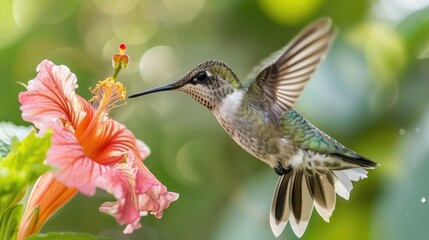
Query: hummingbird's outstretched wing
{"x": 283, "y": 80}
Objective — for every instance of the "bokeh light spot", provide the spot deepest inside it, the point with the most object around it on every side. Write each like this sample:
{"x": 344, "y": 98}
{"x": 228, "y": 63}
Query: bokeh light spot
{"x": 290, "y": 12}
{"x": 9, "y": 28}
{"x": 95, "y": 35}
{"x": 24, "y": 12}
{"x": 158, "y": 64}
{"x": 42, "y": 11}
{"x": 184, "y": 164}
{"x": 133, "y": 28}
{"x": 114, "y": 7}
{"x": 384, "y": 50}
{"x": 184, "y": 10}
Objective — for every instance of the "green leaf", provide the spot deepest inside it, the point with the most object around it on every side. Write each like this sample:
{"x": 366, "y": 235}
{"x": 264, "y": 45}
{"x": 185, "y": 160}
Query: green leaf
{"x": 7, "y": 132}
{"x": 65, "y": 236}
{"x": 23, "y": 165}
{"x": 9, "y": 222}
{"x": 10, "y": 201}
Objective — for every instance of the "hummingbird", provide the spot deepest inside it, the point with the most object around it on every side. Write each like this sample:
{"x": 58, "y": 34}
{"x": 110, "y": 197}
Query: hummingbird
{"x": 312, "y": 166}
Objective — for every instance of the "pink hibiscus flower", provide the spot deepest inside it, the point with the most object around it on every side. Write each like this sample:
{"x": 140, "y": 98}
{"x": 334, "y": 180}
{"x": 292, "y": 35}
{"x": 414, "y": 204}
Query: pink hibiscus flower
{"x": 89, "y": 150}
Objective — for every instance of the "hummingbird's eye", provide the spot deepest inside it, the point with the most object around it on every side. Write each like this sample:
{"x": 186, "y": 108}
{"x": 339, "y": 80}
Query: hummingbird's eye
{"x": 201, "y": 76}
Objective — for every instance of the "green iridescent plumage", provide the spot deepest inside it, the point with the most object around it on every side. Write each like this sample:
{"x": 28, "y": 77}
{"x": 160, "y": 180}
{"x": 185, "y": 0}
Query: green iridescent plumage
{"x": 307, "y": 135}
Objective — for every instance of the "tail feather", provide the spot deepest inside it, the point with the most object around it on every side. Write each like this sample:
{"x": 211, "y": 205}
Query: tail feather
{"x": 280, "y": 211}
{"x": 343, "y": 184}
{"x": 357, "y": 159}
{"x": 301, "y": 204}
{"x": 324, "y": 194}
{"x": 356, "y": 174}
{"x": 301, "y": 189}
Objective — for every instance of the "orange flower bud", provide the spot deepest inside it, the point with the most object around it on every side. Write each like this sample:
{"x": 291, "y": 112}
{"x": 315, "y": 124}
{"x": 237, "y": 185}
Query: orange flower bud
{"x": 116, "y": 59}
{"x": 125, "y": 59}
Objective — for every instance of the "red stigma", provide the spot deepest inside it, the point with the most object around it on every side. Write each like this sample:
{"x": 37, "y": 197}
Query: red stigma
{"x": 122, "y": 48}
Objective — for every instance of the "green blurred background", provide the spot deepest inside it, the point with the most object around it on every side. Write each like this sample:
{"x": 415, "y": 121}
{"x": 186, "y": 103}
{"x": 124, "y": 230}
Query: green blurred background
{"x": 371, "y": 93}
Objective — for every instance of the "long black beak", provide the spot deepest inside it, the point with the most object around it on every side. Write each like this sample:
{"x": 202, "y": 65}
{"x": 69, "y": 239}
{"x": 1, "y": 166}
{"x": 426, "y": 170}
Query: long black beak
{"x": 171, "y": 86}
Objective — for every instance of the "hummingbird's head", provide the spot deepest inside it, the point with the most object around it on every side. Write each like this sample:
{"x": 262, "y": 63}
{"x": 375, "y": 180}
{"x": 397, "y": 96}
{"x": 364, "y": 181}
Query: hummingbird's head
{"x": 208, "y": 83}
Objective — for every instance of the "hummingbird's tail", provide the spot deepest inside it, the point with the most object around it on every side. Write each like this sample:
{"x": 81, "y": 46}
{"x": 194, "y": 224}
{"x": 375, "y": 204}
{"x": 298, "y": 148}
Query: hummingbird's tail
{"x": 300, "y": 189}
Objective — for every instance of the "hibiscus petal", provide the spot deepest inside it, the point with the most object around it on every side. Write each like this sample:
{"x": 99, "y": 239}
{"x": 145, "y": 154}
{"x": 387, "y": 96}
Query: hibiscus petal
{"x": 51, "y": 95}
{"x": 107, "y": 141}
{"x": 75, "y": 168}
{"x": 131, "y": 227}
{"x": 137, "y": 192}
{"x": 120, "y": 184}
{"x": 153, "y": 195}
{"x": 156, "y": 200}
{"x": 144, "y": 150}
{"x": 46, "y": 197}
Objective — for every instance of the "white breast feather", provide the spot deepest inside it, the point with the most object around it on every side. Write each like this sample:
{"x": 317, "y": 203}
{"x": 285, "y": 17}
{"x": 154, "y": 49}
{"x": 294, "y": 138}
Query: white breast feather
{"x": 229, "y": 105}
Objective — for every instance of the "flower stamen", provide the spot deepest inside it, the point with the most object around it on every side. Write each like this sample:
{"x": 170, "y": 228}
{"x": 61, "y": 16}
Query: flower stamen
{"x": 108, "y": 94}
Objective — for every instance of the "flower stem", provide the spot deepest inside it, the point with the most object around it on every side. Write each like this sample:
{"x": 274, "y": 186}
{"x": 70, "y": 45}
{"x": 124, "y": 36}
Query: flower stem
{"x": 116, "y": 73}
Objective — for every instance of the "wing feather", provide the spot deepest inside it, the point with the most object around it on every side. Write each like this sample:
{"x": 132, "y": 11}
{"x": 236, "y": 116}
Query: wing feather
{"x": 283, "y": 80}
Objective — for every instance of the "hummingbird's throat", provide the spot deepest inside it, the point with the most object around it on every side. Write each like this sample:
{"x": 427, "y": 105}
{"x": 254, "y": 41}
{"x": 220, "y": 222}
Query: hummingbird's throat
{"x": 204, "y": 98}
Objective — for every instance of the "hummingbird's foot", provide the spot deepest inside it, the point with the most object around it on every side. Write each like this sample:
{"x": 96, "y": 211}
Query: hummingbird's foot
{"x": 282, "y": 171}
